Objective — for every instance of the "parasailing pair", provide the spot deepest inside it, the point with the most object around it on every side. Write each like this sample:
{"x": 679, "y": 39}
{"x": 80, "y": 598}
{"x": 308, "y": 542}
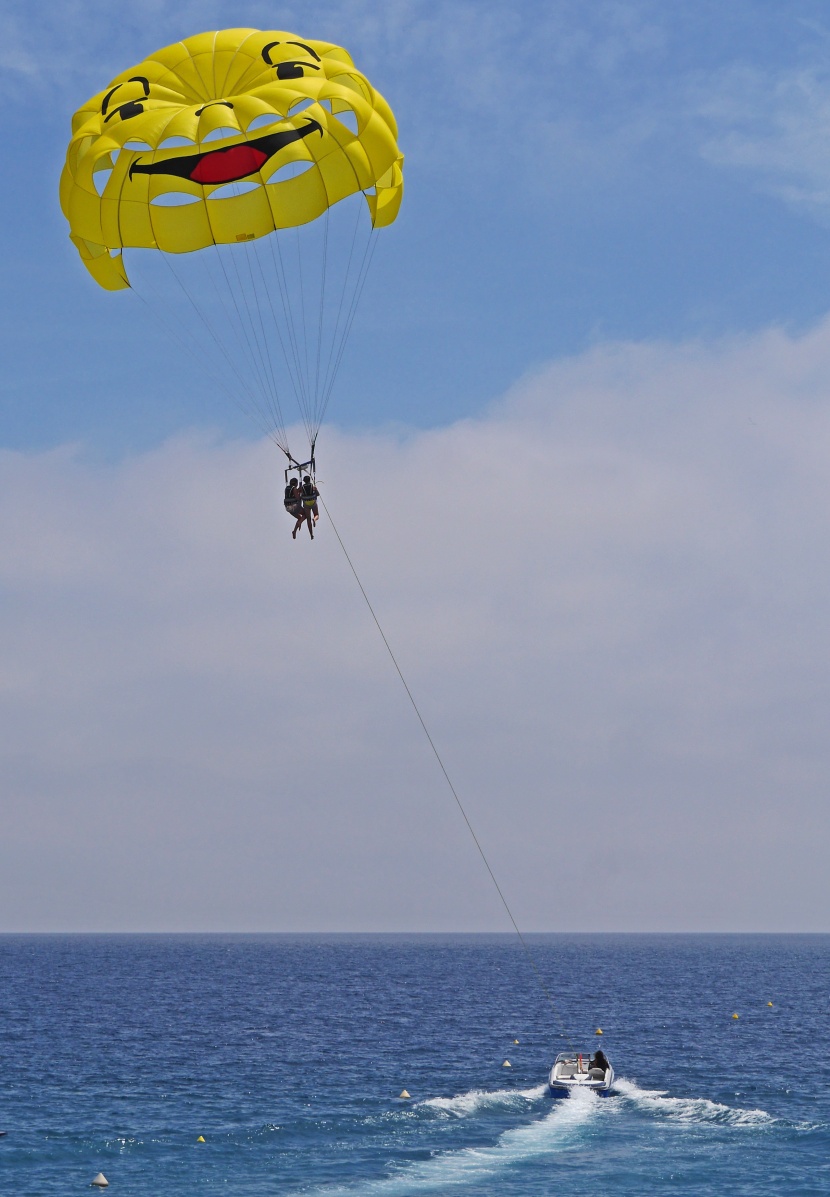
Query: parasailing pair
{"x": 235, "y": 181}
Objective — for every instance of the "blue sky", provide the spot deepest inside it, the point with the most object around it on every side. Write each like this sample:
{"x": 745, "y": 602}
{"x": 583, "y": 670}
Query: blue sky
{"x": 612, "y": 273}
{"x": 575, "y": 174}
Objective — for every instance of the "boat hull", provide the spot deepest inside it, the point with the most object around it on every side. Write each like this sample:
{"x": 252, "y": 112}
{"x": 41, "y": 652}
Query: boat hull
{"x": 568, "y": 1075}
{"x": 563, "y": 1088}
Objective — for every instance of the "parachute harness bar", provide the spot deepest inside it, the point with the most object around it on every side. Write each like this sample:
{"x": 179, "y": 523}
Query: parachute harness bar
{"x": 299, "y": 467}
{"x": 453, "y": 791}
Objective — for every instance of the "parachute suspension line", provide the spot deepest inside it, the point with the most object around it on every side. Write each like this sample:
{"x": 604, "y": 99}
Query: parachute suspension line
{"x": 257, "y": 348}
{"x": 329, "y": 377}
{"x": 363, "y": 272}
{"x": 251, "y": 408}
{"x": 237, "y": 327}
{"x": 267, "y": 292}
{"x": 322, "y": 310}
{"x": 453, "y": 791}
{"x": 245, "y": 334}
{"x": 176, "y": 335}
{"x": 255, "y": 247}
{"x": 288, "y": 312}
{"x": 259, "y": 308}
{"x": 254, "y": 411}
{"x": 302, "y": 312}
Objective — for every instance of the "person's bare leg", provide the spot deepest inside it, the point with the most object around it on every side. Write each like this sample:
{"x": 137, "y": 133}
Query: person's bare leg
{"x": 310, "y": 527}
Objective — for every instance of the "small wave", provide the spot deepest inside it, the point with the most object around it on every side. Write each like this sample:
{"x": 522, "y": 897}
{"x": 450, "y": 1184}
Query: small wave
{"x": 465, "y": 1104}
{"x": 689, "y": 1109}
{"x": 123, "y": 1142}
{"x": 446, "y": 1169}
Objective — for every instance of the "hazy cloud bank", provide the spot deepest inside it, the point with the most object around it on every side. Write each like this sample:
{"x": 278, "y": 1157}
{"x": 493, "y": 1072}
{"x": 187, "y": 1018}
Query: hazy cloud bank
{"x": 609, "y": 596}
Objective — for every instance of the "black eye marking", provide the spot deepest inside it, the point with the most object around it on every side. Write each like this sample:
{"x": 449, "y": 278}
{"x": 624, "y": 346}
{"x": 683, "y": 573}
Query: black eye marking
{"x": 290, "y": 70}
{"x": 307, "y": 49}
{"x": 227, "y": 104}
{"x": 130, "y": 107}
{"x": 107, "y": 98}
{"x": 294, "y": 70}
{"x": 125, "y": 111}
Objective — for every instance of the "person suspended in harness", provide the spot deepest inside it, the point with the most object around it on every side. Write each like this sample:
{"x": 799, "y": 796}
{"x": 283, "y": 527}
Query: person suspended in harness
{"x": 293, "y": 504}
{"x": 309, "y": 494}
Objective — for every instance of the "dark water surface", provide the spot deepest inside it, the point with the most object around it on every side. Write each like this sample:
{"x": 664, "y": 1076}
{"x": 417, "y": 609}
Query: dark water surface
{"x": 287, "y": 1054}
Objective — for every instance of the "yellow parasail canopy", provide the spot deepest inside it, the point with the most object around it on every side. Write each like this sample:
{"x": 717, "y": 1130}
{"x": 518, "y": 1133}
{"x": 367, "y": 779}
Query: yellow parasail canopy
{"x": 221, "y": 138}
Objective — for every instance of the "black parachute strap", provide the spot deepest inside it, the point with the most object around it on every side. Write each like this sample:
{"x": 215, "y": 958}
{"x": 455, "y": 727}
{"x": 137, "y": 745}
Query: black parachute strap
{"x": 452, "y": 788}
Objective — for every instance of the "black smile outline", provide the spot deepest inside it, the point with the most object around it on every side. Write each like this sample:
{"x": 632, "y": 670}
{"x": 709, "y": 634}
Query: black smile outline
{"x": 184, "y": 165}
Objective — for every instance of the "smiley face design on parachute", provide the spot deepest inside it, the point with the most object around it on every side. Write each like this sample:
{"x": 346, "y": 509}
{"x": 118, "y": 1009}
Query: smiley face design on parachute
{"x": 225, "y": 137}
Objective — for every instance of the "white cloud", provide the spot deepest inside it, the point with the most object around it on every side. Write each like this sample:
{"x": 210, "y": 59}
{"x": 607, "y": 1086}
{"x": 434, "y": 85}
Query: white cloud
{"x": 776, "y": 126}
{"x": 609, "y": 597}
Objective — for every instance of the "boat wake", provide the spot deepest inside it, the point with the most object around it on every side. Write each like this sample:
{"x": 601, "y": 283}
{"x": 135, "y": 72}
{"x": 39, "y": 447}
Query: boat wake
{"x": 447, "y": 1169}
{"x": 481, "y": 1099}
{"x": 689, "y": 1109}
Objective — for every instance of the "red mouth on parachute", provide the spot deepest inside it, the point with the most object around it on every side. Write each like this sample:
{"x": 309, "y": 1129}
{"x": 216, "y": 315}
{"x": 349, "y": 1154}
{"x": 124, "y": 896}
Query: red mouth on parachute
{"x": 228, "y": 165}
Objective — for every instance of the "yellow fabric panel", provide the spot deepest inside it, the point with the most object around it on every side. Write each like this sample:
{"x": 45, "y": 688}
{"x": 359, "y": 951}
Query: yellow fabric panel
{"x": 360, "y": 164}
{"x": 243, "y": 218}
{"x": 106, "y": 270}
{"x": 239, "y": 68}
{"x": 297, "y": 201}
{"x": 229, "y": 46}
{"x": 198, "y": 43}
{"x": 353, "y": 82}
{"x": 386, "y": 114}
{"x": 83, "y": 212}
{"x": 154, "y": 123}
{"x": 135, "y": 224}
{"x": 217, "y": 116}
{"x": 191, "y": 84}
{"x": 387, "y": 206}
{"x": 158, "y": 185}
{"x": 181, "y": 230}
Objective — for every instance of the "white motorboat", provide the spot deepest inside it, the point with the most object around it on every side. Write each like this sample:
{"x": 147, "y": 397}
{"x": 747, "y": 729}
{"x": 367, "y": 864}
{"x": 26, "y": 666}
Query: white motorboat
{"x": 571, "y": 1070}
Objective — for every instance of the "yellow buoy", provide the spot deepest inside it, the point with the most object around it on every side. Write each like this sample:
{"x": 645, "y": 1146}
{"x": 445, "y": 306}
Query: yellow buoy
{"x": 736, "y": 1016}
{"x": 201, "y": 1139}
{"x": 598, "y": 1031}
{"x": 515, "y": 1041}
{"x": 404, "y": 1094}
{"x": 769, "y": 1003}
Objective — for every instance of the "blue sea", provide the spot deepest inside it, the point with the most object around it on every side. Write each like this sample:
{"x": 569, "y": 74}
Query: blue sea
{"x": 287, "y": 1054}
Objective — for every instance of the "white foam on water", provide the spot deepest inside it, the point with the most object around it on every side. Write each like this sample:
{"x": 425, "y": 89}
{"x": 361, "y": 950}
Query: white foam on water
{"x": 465, "y": 1104}
{"x": 689, "y": 1109}
{"x": 448, "y": 1169}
